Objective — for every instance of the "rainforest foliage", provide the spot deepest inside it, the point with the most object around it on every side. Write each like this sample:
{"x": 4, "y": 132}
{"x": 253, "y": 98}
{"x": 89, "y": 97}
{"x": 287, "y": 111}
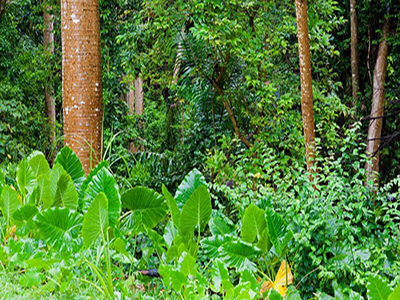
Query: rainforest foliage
{"x": 206, "y": 194}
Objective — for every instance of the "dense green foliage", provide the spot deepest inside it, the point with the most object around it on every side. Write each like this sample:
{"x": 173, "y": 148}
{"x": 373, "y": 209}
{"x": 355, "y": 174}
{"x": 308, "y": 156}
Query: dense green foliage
{"x": 214, "y": 218}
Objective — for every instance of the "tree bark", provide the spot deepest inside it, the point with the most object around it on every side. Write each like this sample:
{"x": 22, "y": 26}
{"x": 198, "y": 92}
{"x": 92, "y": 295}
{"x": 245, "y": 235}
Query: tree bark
{"x": 48, "y": 44}
{"x": 306, "y": 82}
{"x": 377, "y": 110}
{"x": 82, "y": 79}
{"x": 355, "y": 73}
{"x": 139, "y": 96}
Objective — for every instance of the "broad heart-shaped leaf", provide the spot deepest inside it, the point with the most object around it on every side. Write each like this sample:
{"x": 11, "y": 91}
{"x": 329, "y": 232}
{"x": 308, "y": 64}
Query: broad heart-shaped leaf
{"x": 59, "y": 227}
{"x": 104, "y": 182}
{"x": 378, "y": 288}
{"x": 37, "y": 161}
{"x": 9, "y": 203}
{"x": 146, "y": 202}
{"x": 188, "y": 186}
{"x": 279, "y": 235}
{"x": 396, "y": 293}
{"x": 44, "y": 194}
{"x": 25, "y": 178}
{"x": 71, "y": 164}
{"x": 84, "y": 185}
{"x": 237, "y": 254}
{"x": 23, "y": 218}
{"x": 66, "y": 194}
{"x": 219, "y": 225}
{"x": 219, "y": 273}
{"x": 196, "y": 212}
{"x": 95, "y": 223}
{"x": 253, "y": 224}
{"x": 173, "y": 208}
{"x": 212, "y": 244}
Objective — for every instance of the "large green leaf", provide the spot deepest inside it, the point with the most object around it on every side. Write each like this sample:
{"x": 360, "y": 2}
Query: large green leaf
{"x": 279, "y": 235}
{"x": 9, "y": 203}
{"x": 173, "y": 208}
{"x": 95, "y": 223}
{"x": 2, "y": 181}
{"x": 212, "y": 244}
{"x": 238, "y": 254}
{"x": 25, "y": 178}
{"x": 84, "y": 185}
{"x": 219, "y": 273}
{"x": 104, "y": 182}
{"x": 253, "y": 224}
{"x": 219, "y": 226}
{"x": 66, "y": 194}
{"x": 44, "y": 195}
{"x": 71, "y": 164}
{"x": 378, "y": 288}
{"x": 396, "y": 293}
{"x": 196, "y": 212}
{"x": 188, "y": 186}
{"x": 37, "y": 161}
{"x": 274, "y": 295}
{"x": 146, "y": 202}
{"x": 23, "y": 217}
{"x": 59, "y": 227}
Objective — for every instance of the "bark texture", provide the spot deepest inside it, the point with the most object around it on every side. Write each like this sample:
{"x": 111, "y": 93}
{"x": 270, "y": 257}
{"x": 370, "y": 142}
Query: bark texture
{"x": 306, "y": 82}
{"x": 139, "y": 96}
{"x": 377, "y": 110}
{"x": 82, "y": 79}
{"x": 48, "y": 44}
{"x": 355, "y": 73}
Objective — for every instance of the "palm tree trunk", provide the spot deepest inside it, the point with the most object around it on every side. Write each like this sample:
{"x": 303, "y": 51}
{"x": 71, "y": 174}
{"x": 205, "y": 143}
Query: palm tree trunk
{"x": 377, "y": 110}
{"x": 306, "y": 82}
{"x": 82, "y": 79}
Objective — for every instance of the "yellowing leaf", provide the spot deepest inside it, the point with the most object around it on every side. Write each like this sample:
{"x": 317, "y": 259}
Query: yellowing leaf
{"x": 283, "y": 278}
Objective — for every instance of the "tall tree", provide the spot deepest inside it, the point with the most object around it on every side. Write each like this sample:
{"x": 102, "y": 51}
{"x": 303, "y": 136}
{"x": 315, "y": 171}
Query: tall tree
{"x": 377, "y": 110}
{"x": 306, "y": 82}
{"x": 48, "y": 44}
{"x": 82, "y": 79}
{"x": 355, "y": 73}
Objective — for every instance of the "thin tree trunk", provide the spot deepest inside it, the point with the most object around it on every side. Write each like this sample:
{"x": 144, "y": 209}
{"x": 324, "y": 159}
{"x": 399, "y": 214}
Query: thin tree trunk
{"x": 355, "y": 73}
{"x": 377, "y": 110}
{"x": 306, "y": 82}
{"x": 139, "y": 96}
{"x": 2, "y": 7}
{"x": 82, "y": 79}
{"x": 48, "y": 44}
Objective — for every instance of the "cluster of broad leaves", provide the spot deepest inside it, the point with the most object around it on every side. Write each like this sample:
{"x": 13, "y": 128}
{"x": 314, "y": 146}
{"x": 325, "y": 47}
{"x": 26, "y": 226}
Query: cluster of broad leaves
{"x": 197, "y": 250}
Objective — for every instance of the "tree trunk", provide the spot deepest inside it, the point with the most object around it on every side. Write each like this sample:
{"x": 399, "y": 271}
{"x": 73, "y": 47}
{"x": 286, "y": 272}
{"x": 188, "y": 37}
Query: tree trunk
{"x": 377, "y": 110}
{"x": 2, "y": 7}
{"x": 48, "y": 44}
{"x": 139, "y": 97}
{"x": 82, "y": 79}
{"x": 306, "y": 82}
{"x": 355, "y": 73}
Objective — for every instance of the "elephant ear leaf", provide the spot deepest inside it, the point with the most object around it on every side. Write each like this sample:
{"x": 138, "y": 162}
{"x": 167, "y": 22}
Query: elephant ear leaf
{"x": 378, "y": 288}
{"x": 71, "y": 164}
{"x": 396, "y": 293}
{"x": 279, "y": 235}
{"x": 189, "y": 185}
{"x": 95, "y": 223}
{"x": 37, "y": 161}
{"x": 173, "y": 208}
{"x": 59, "y": 227}
{"x": 104, "y": 182}
{"x": 25, "y": 178}
{"x": 147, "y": 203}
{"x": 9, "y": 203}
{"x": 196, "y": 212}
{"x": 66, "y": 195}
{"x": 254, "y": 224}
